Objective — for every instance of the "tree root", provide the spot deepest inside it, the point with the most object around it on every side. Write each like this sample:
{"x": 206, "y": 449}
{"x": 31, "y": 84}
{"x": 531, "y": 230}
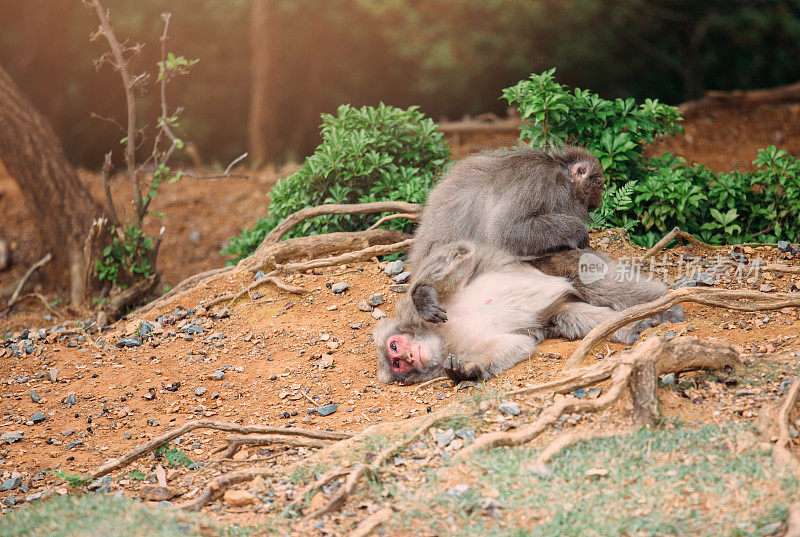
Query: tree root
{"x": 366, "y": 526}
{"x": 721, "y": 298}
{"x": 680, "y": 234}
{"x": 182, "y": 289}
{"x": 152, "y": 445}
{"x": 324, "y": 479}
{"x": 235, "y": 442}
{"x": 359, "y": 471}
{"x": 678, "y": 354}
{"x": 218, "y": 486}
{"x": 562, "y": 442}
{"x": 427, "y": 383}
{"x": 410, "y": 216}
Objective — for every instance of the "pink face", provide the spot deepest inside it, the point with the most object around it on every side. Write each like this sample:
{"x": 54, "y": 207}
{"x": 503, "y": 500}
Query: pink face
{"x": 406, "y": 353}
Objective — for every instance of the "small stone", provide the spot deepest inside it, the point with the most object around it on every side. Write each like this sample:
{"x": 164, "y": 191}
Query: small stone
{"x": 394, "y": 268}
{"x": 52, "y": 375}
{"x": 402, "y": 277}
{"x": 594, "y": 393}
{"x": 238, "y": 498}
{"x": 339, "y": 288}
{"x": 766, "y": 288}
{"x": 70, "y": 399}
{"x": 378, "y": 314}
{"x": 376, "y": 300}
{"x": 399, "y": 288}
{"x": 155, "y": 493}
{"x": 129, "y": 342}
{"x": 580, "y": 393}
{"x": 596, "y": 472}
{"x": 444, "y": 438}
{"x": 260, "y": 274}
{"x": 11, "y": 436}
{"x": 200, "y": 391}
{"x": 196, "y": 465}
{"x": 217, "y": 375}
{"x": 704, "y": 279}
{"x": 465, "y": 434}
{"x": 355, "y": 326}
{"x": 783, "y": 246}
{"x": 9, "y": 501}
{"x": 34, "y": 396}
{"x": 364, "y": 306}
{"x": 458, "y": 490}
{"x": 327, "y": 410}
{"x": 742, "y": 393}
{"x": 145, "y": 328}
{"x": 668, "y": 379}
{"x": 38, "y": 417}
{"x": 509, "y": 407}
{"x": 10, "y": 484}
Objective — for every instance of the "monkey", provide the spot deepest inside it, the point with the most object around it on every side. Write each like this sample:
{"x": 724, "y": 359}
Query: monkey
{"x": 474, "y": 311}
{"x": 527, "y": 201}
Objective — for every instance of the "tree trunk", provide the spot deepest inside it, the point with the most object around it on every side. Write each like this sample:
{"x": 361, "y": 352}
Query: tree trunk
{"x": 62, "y": 207}
{"x": 261, "y": 122}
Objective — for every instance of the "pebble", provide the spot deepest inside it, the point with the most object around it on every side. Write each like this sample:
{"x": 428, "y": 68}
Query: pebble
{"x": 260, "y": 274}
{"x": 394, "y": 268}
{"x": 783, "y": 246}
{"x": 339, "y": 288}
{"x": 509, "y": 407}
{"x": 376, "y": 300}
{"x": 10, "y": 484}
{"x": 355, "y": 326}
{"x": 444, "y": 438}
{"x": 766, "y": 288}
{"x": 217, "y": 375}
{"x": 327, "y": 410}
{"x": 52, "y": 375}
{"x": 378, "y": 314}
{"x": 399, "y": 288}
{"x": 704, "y": 279}
{"x": 9, "y": 500}
{"x": 200, "y": 391}
{"x": 364, "y": 306}
{"x": 458, "y": 491}
{"x": 35, "y": 396}
{"x": 129, "y": 342}
{"x": 70, "y": 400}
{"x": 238, "y": 498}
{"x": 402, "y": 277}
{"x": 38, "y": 417}
{"x": 465, "y": 434}
{"x": 580, "y": 393}
{"x": 668, "y": 379}
{"x": 155, "y": 493}
{"x": 11, "y": 436}
{"x": 196, "y": 465}
{"x": 742, "y": 393}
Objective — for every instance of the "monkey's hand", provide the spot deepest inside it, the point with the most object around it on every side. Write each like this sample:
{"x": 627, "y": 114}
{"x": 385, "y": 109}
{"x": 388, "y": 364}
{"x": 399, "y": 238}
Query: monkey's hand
{"x": 427, "y": 304}
{"x": 458, "y": 370}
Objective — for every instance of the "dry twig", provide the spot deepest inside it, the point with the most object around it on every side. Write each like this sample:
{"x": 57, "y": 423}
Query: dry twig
{"x": 368, "y": 525}
{"x": 539, "y": 466}
{"x": 153, "y": 444}
{"x": 429, "y": 382}
{"x": 676, "y": 233}
{"x": 410, "y": 216}
{"x": 218, "y": 487}
{"x": 721, "y": 298}
{"x": 235, "y": 442}
{"x": 36, "y": 266}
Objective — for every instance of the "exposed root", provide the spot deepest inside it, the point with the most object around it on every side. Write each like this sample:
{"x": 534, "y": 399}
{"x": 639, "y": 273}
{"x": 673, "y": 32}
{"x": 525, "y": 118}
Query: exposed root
{"x": 349, "y": 257}
{"x": 676, "y": 233}
{"x": 674, "y": 355}
{"x": 324, "y": 479}
{"x": 217, "y": 488}
{"x": 235, "y": 442}
{"x": 356, "y": 208}
{"x": 111, "y": 311}
{"x": 429, "y": 382}
{"x": 410, "y": 216}
{"x": 358, "y": 472}
{"x": 233, "y": 297}
{"x": 368, "y": 525}
{"x": 793, "y": 521}
{"x": 36, "y": 266}
{"x": 776, "y": 267}
{"x": 784, "y": 439}
{"x": 182, "y": 288}
{"x": 721, "y": 298}
{"x": 562, "y": 442}
{"x": 153, "y": 444}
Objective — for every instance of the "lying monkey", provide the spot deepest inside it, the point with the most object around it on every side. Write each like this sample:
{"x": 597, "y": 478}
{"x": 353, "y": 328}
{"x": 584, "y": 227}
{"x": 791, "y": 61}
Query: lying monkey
{"x": 473, "y": 312}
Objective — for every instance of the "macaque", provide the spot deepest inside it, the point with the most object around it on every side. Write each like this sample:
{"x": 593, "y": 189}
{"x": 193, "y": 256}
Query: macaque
{"x": 525, "y": 201}
{"x": 474, "y": 311}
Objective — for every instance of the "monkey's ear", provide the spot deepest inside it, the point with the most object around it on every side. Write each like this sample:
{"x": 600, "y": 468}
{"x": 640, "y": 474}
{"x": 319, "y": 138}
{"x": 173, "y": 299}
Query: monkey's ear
{"x": 580, "y": 170}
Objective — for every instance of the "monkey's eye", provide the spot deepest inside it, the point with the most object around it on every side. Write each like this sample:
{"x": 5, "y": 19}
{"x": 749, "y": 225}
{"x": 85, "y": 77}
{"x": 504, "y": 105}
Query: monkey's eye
{"x": 396, "y": 363}
{"x": 393, "y": 346}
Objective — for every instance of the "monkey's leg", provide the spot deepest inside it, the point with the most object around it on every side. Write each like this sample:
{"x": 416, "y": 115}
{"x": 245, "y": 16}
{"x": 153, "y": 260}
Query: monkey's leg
{"x": 537, "y": 235}
{"x": 573, "y": 320}
{"x": 496, "y": 354}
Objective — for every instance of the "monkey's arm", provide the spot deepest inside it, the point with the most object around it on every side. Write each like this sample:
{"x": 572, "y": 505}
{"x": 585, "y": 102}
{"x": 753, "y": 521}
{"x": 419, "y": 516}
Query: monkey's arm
{"x": 440, "y": 275}
{"x": 542, "y": 234}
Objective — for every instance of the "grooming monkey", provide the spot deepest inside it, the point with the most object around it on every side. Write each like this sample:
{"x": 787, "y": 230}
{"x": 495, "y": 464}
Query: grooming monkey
{"x": 522, "y": 214}
{"x": 483, "y": 311}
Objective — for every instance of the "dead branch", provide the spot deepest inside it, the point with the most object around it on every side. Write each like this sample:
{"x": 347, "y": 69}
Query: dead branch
{"x": 118, "y": 303}
{"x": 562, "y": 442}
{"x": 358, "y": 472}
{"x": 154, "y": 443}
{"x": 36, "y": 266}
{"x": 233, "y": 297}
{"x": 731, "y": 299}
{"x": 224, "y": 175}
{"x": 676, "y": 354}
{"x": 324, "y": 479}
{"x": 368, "y": 525}
{"x": 235, "y": 442}
{"x": 355, "y": 208}
{"x": 110, "y": 207}
{"x": 410, "y": 216}
{"x": 676, "y": 233}
{"x": 218, "y": 487}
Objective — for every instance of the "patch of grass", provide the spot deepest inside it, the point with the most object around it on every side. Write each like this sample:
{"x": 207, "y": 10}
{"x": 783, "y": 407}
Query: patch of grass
{"x": 707, "y": 481}
{"x": 100, "y": 515}
{"x": 73, "y": 480}
{"x": 137, "y": 475}
{"x": 173, "y": 456}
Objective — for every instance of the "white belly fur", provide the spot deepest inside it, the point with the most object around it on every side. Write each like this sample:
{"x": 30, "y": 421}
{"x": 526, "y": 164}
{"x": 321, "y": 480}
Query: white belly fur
{"x": 503, "y": 302}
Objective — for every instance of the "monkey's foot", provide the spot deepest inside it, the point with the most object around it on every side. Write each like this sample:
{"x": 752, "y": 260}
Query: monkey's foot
{"x": 458, "y": 370}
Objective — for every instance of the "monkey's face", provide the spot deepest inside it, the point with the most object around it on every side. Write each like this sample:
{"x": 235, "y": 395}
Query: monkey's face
{"x": 407, "y": 358}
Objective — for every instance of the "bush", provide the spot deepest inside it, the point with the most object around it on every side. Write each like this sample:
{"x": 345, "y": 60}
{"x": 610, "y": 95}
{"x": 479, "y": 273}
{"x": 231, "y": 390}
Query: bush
{"x": 369, "y": 154}
{"x": 649, "y": 196}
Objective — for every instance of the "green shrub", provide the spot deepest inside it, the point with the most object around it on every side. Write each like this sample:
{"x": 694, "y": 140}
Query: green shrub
{"x": 650, "y": 196}
{"x": 367, "y": 154}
